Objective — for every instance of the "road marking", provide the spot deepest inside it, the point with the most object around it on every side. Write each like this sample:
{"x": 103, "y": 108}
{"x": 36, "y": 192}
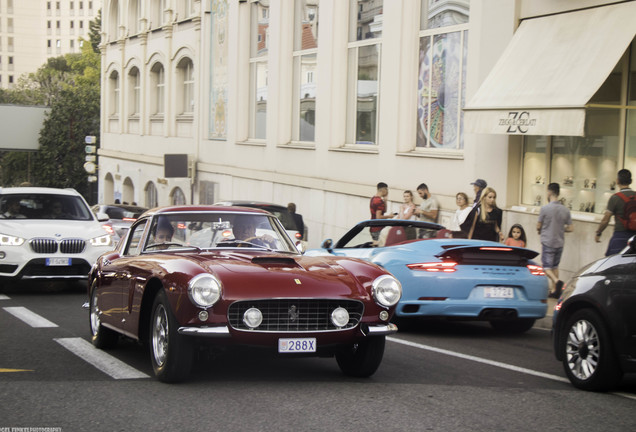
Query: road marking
{"x": 31, "y": 318}
{"x": 4, "y": 297}
{"x": 480, "y": 360}
{"x": 3, "y": 370}
{"x": 106, "y": 363}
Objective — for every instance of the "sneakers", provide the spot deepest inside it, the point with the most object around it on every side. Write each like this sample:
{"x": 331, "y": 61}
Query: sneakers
{"x": 557, "y": 290}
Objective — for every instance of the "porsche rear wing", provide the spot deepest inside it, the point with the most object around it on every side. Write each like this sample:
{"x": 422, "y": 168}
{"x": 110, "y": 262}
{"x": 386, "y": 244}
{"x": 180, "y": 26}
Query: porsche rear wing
{"x": 485, "y": 255}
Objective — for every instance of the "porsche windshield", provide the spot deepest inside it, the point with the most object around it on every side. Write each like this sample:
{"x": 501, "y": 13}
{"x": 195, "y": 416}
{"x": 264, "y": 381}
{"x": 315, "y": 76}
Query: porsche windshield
{"x": 205, "y": 230}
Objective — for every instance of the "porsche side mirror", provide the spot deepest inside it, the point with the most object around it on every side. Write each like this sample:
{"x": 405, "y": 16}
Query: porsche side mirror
{"x": 327, "y": 244}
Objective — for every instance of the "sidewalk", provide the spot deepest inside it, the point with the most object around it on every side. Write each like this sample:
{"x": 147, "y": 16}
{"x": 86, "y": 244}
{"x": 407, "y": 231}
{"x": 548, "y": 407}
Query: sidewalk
{"x": 546, "y": 322}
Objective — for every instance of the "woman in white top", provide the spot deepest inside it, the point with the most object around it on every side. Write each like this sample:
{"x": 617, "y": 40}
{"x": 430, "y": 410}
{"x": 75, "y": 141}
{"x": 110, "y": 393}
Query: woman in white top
{"x": 461, "y": 213}
{"x": 407, "y": 209}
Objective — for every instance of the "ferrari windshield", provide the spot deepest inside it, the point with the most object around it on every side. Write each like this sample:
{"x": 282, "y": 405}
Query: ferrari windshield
{"x": 206, "y": 230}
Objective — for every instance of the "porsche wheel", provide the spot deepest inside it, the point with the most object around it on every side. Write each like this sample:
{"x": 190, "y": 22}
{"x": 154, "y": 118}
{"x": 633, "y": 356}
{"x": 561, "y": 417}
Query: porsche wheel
{"x": 520, "y": 325}
{"x": 362, "y": 359}
{"x": 589, "y": 360}
{"x": 102, "y": 337}
{"x": 171, "y": 353}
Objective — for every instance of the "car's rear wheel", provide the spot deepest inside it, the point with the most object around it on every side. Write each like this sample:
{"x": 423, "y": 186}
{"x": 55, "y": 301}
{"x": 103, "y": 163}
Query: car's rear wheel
{"x": 589, "y": 359}
{"x": 362, "y": 359}
{"x": 171, "y": 353}
{"x": 517, "y": 326}
{"x": 101, "y": 336}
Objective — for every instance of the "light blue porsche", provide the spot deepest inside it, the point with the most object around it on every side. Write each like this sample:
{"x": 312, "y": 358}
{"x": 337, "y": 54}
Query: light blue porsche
{"x": 450, "y": 277}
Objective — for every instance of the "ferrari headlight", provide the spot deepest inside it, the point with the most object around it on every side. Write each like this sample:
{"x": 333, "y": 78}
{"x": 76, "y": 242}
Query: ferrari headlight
{"x": 104, "y": 240}
{"x": 7, "y": 240}
{"x": 387, "y": 290}
{"x": 204, "y": 290}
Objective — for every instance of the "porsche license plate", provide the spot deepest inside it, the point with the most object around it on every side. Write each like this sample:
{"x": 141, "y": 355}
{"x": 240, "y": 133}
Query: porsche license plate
{"x": 297, "y": 345}
{"x": 499, "y": 292}
{"x": 58, "y": 261}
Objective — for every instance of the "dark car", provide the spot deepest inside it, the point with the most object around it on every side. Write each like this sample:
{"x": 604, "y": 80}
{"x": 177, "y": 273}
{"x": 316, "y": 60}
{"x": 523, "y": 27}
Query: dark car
{"x": 192, "y": 277}
{"x": 121, "y": 216}
{"x": 594, "y": 322}
{"x": 281, "y": 212}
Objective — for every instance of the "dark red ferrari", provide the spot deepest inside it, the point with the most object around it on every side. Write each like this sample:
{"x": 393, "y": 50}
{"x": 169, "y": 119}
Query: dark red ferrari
{"x": 202, "y": 275}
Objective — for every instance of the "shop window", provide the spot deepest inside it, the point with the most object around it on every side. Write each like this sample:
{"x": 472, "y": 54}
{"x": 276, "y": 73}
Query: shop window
{"x": 259, "y": 13}
{"x": 364, "y": 55}
{"x": 305, "y": 69}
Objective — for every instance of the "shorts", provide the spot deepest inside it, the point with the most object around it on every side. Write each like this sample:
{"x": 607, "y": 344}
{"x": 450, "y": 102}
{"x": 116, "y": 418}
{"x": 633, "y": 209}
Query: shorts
{"x": 550, "y": 257}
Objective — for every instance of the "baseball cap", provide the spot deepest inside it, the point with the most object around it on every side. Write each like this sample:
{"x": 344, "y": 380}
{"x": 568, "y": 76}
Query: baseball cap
{"x": 480, "y": 183}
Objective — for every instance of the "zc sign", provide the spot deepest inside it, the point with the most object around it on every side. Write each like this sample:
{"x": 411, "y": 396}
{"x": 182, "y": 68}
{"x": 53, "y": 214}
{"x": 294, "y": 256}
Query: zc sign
{"x": 517, "y": 122}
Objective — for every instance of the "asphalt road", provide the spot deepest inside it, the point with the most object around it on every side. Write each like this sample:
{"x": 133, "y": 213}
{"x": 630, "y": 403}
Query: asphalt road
{"x": 438, "y": 376}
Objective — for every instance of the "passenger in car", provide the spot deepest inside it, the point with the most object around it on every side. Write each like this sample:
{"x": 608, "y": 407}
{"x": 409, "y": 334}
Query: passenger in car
{"x": 245, "y": 229}
{"x": 163, "y": 233}
{"x": 56, "y": 211}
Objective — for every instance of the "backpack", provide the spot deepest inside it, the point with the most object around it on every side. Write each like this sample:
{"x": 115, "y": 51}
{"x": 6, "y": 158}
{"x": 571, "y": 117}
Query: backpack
{"x": 629, "y": 211}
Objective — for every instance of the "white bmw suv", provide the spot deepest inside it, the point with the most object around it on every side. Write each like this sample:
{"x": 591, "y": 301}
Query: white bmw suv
{"x": 48, "y": 233}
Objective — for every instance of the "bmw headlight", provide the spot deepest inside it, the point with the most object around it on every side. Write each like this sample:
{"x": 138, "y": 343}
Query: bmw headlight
{"x": 7, "y": 240}
{"x": 204, "y": 290}
{"x": 103, "y": 240}
{"x": 386, "y": 290}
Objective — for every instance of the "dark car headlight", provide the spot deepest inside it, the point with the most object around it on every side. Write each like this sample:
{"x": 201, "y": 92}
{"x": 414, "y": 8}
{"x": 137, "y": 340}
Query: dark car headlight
{"x": 204, "y": 290}
{"x": 387, "y": 290}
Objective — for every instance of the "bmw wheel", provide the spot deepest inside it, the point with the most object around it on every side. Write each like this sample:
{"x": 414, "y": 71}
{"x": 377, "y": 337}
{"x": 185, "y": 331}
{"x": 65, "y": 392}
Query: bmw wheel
{"x": 171, "y": 353}
{"x": 589, "y": 359}
{"x": 362, "y": 359}
{"x": 101, "y": 336}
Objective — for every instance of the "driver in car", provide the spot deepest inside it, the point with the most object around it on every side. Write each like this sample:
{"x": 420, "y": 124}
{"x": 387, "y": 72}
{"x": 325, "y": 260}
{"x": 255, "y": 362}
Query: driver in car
{"x": 244, "y": 229}
{"x": 163, "y": 233}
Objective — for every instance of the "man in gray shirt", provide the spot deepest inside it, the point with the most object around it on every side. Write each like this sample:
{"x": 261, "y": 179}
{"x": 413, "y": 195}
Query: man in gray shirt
{"x": 554, "y": 221}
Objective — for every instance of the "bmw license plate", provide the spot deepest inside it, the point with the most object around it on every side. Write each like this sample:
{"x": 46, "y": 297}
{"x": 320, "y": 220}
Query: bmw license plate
{"x": 58, "y": 261}
{"x": 499, "y": 292}
{"x": 297, "y": 345}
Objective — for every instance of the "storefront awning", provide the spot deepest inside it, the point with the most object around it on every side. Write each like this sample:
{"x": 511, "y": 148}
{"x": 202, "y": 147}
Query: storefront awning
{"x": 549, "y": 72}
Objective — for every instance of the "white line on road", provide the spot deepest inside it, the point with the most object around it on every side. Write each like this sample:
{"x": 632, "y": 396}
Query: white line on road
{"x": 31, "y": 318}
{"x": 480, "y": 360}
{"x": 4, "y": 297}
{"x": 101, "y": 360}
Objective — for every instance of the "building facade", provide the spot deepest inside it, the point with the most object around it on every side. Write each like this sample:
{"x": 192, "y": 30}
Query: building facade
{"x": 316, "y": 101}
{"x": 31, "y": 31}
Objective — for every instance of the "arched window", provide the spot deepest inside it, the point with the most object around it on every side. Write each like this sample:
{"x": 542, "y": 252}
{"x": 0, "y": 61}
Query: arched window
{"x": 113, "y": 84}
{"x": 134, "y": 15}
{"x": 177, "y": 197}
{"x": 158, "y": 83}
{"x": 113, "y": 20}
{"x": 185, "y": 75}
{"x": 134, "y": 91}
{"x": 150, "y": 193}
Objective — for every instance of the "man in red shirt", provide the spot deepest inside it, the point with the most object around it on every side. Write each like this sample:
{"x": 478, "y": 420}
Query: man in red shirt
{"x": 378, "y": 208}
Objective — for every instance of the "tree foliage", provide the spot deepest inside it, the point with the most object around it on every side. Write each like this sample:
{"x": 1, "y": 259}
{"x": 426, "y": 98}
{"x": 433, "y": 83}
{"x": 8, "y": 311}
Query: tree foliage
{"x": 70, "y": 86}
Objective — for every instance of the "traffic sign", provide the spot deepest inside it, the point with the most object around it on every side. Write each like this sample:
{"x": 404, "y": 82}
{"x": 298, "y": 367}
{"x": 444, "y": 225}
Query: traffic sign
{"x": 90, "y": 167}
{"x": 90, "y": 139}
{"x": 90, "y": 149}
{"x": 92, "y": 179}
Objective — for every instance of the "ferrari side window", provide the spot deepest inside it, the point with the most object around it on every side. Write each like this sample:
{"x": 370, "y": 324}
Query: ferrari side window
{"x": 134, "y": 245}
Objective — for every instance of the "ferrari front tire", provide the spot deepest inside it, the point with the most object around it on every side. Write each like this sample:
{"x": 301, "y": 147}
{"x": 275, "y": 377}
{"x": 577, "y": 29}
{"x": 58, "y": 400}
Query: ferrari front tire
{"x": 589, "y": 360}
{"x": 362, "y": 359}
{"x": 171, "y": 354}
{"x": 102, "y": 337}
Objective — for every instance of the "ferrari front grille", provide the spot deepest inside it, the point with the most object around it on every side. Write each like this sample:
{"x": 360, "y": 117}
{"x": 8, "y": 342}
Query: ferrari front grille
{"x": 295, "y": 315}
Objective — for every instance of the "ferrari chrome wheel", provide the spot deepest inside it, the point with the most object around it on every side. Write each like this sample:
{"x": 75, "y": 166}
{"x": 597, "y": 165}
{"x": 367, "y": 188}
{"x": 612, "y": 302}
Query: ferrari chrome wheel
{"x": 160, "y": 335}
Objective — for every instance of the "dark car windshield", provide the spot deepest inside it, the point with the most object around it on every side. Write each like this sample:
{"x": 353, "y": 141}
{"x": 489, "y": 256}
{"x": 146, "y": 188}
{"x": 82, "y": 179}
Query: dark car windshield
{"x": 206, "y": 230}
{"x": 120, "y": 212}
{"x": 44, "y": 206}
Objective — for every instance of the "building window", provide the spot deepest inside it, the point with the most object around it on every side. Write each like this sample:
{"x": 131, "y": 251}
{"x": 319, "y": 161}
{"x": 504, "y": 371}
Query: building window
{"x": 156, "y": 13}
{"x": 10, "y": 25}
{"x": 158, "y": 83}
{"x": 177, "y": 197}
{"x": 436, "y": 14}
{"x": 586, "y": 167}
{"x": 364, "y": 52}
{"x": 305, "y": 55}
{"x": 258, "y": 68}
{"x": 134, "y": 15}
{"x": 150, "y": 193}
{"x": 134, "y": 84}
{"x": 185, "y": 73}
{"x": 185, "y": 9}
{"x": 114, "y": 93}
{"x": 113, "y": 21}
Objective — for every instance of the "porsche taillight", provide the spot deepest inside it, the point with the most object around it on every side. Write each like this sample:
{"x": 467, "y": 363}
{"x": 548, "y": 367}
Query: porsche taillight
{"x": 444, "y": 267}
{"x": 536, "y": 270}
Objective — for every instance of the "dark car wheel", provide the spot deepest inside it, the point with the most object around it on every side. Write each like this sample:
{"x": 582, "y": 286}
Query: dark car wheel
{"x": 520, "y": 325}
{"x": 363, "y": 358}
{"x": 588, "y": 355}
{"x": 101, "y": 336}
{"x": 171, "y": 354}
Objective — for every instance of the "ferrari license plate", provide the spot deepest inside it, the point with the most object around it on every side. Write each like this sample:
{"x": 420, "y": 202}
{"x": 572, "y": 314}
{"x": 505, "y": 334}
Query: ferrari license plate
{"x": 58, "y": 261}
{"x": 499, "y": 292}
{"x": 297, "y": 345}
